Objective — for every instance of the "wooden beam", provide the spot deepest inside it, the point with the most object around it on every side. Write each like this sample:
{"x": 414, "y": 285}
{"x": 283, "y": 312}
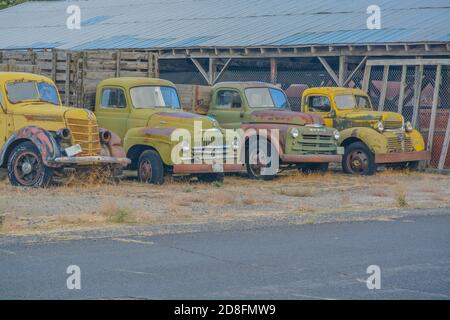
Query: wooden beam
{"x": 383, "y": 88}
{"x": 224, "y": 68}
{"x": 366, "y": 79}
{"x": 401, "y": 97}
{"x": 273, "y": 70}
{"x": 329, "y": 70}
{"x": 437, "y": 85}
{"x": 354, "y": 71}
{"x": 408, "y": 62}
{"x": 418, "y": 77}
{"x": 118, "y": 63}
{"x": 54, "y": 60}
{"x": 202, "y": 71}
{"x": 342, "y": 70}
{"x": 67, "y": 84}
{"x": 445, "y": 145}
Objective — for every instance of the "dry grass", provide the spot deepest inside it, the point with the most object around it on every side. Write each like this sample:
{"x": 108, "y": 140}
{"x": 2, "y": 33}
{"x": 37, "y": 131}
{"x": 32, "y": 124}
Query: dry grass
{"x": 301, "y": 193}
{"x": 400, "y": 198}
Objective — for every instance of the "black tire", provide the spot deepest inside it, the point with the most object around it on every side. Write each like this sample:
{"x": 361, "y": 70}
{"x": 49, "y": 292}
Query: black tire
{"x": 320, "y": 168}
{"x": 150, "y": 168}
{"x": 413, "y": 165}
{"x": 26, "y": 168}
{"x": 254, "y": 169}
{"x": 211, "y": 177}
{"x": 358, "y": 160}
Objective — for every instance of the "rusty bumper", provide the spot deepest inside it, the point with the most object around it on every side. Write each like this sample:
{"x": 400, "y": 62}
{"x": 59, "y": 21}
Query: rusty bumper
{"x": 207, "y": 168}
{"x": 92, "y": 160}
{"x": 402, "y": 157}
{"x": 311, "y": 158}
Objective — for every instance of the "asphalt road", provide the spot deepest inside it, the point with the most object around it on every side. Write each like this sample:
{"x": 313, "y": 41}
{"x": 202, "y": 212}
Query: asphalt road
{"x": 324, "y": 261}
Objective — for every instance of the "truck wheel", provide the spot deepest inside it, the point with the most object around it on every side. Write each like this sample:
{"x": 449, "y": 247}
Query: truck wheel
{"x": 320, "y": 168}
{"x": 358, "y": 159}
{"x": 26, "y": 168}
{"x": 211, "y": 177}
{"x": 254, "y": 165}
{"x": 150, "y": 168}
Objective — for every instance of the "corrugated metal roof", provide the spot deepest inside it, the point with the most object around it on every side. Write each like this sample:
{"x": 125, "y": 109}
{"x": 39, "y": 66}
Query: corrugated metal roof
{"x": 109, "y": 24}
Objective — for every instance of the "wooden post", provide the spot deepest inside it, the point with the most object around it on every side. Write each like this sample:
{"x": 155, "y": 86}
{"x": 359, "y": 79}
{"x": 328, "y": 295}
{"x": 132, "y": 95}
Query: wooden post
{"x": 444, "y": 151}
{"x": 67, "y": 84}
{"x": 118, "y": 63}
{"x": 437, "y": 85}
{"x": 417, "y": 92}
{"x": 54, "y": 61}
{"x": 401, "y": 96}
{"x": 273, "y": 70}
{"x": 366, "y": 79}
{"x": 212, "y": 70}
{"x": 342, "y": 70}
{"x": 383, "y": 88}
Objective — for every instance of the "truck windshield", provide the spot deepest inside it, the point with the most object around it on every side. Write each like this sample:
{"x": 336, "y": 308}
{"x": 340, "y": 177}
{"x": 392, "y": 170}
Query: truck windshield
{"x": 349, "y": 101}
{"x": 21, "y": 91}
{"x": 154, "y": 97}
{"x": 266, "y": 98}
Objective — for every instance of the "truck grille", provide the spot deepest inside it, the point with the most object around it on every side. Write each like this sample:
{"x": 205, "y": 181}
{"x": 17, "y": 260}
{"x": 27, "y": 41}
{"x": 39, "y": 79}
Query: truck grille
{"x": 317, "y": 144}
{"x": 85, "y": 133}
{"x": 399, "y": 144}
{"x": 211, "y": 151}
{"x": 392, "y": 124}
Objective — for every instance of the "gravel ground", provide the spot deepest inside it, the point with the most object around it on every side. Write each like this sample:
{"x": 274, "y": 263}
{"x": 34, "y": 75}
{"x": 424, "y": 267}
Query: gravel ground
{"x": 293, "y": 197}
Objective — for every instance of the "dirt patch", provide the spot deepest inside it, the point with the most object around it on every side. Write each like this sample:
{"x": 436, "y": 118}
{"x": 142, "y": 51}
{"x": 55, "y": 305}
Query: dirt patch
{"x": 24, "y": 211}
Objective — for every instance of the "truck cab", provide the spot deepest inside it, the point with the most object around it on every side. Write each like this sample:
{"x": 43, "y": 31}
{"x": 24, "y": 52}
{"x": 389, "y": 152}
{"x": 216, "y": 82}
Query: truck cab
{"x": 261, "y": 109}
{"x": 41, "y": 140}
{"x": 146, "y": 113}
{"x": 370, "y": 138}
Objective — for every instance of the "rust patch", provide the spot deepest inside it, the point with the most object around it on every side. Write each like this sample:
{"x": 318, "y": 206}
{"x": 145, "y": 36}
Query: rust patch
{"x": 158, "y": 131}
{"x": 186, "y": 115}
{"x": 286, "y": 117}
{"x": 114, "y": 144}
{"x": 34, "y": 117}
{"x": 355, "y": 133}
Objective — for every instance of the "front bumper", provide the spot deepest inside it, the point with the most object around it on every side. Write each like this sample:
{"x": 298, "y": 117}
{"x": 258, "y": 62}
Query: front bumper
{"x": 402, "y": 157}
{"x": 92, "y": 160}
{"x": 207, "y": 168}
{"x": 311, "y": 158}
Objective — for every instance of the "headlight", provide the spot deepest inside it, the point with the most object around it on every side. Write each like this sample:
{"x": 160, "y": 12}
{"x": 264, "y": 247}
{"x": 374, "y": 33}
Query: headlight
{"x": 380, "y": 126}
{"x": 408, "y": 127}
{"x": 295, "y": 133}
{"x": 185, "y": 146}
{"x": 336, "y": 134}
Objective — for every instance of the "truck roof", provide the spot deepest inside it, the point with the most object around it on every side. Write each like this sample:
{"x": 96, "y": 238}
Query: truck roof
{"x": 135, "y": 82}
{"x": 11, "y": 76}
{"x": 334, "y": 91}
{"x": 244, "y": 85}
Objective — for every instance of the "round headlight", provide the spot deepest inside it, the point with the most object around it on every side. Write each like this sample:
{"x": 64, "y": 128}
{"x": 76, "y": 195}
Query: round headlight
{"x": 408, "y": 127}
{"x": 185, "y": 146}
{"x": 380, "y": 126}
{"x": 336, "y": 134}
{"x": 295, "y": 133}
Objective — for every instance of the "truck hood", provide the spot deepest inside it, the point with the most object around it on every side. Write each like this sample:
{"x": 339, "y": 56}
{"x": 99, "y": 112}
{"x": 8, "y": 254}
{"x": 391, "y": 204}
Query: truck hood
{"x": 284, "y": 117}
{"x": 372, "y": 116}
{"x": 180, "y": 120}
{"x": 48, "y": 116}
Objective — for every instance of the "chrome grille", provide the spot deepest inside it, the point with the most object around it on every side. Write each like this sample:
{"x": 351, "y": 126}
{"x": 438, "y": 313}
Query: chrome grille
{"x": 86, "y": 134}
{"x": 317, "y": 144}
{"x": 392, "y": 124}
{"x": 399, "y": 144}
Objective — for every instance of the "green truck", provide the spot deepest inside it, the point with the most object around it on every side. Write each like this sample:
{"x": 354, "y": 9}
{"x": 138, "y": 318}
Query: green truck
{"x": 146, "y": 113}
{"x": 260, "y": 109}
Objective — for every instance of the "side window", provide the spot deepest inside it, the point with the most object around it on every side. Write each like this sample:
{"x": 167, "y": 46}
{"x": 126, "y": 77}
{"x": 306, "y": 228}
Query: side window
{"x": 319, "y": 104}
{"x": 113, "y": 98}
{"x": 228, "y": 99}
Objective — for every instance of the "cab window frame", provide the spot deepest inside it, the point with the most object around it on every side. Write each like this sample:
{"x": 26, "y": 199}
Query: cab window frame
{"x": 311, "y": 109}
{"x": 231, "y": 108}
{"x": 116, "y": 107}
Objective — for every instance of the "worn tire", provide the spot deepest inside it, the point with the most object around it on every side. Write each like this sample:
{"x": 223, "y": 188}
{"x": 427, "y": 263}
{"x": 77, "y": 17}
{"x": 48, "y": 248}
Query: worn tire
{"x": 26, "y": 168}
{"x": 251, "y": 170}
{"x": 150, "y": 168}
{"x": 320, "y": 168}
{"x": 211, "y": 177}
{"x": 358, "y": 152}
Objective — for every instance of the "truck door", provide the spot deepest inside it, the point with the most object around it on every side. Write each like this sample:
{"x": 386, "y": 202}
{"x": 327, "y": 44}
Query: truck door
{"x": 3, "y": 121}
{"x": 321, "y": 105}
{"x": 112, "y": 110}
{"x": 226, "y": 108}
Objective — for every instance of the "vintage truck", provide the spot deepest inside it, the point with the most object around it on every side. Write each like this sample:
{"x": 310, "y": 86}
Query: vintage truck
{"x": 260, "y": 109}
{"x": 370, "y": 138}
{"x": 41, "y": 140}
{"x": 146, "y": 113}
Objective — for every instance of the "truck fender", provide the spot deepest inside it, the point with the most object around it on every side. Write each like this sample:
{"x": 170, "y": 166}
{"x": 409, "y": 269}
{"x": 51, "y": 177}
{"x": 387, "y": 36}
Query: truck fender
{"x": 112, "y": 142}
{"x": 374, "y": 140}
{"x": 41, "y": 138}
{"x": 265, "y": 134}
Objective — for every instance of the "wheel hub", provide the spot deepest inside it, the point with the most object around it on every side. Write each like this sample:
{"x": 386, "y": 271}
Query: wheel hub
{"x": 26, "y": 168}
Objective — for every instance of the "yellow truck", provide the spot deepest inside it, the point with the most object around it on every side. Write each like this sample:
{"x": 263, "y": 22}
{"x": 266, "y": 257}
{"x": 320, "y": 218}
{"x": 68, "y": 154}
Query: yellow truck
{"x": 370, "y": 138}
{"x": 41, "y": 140}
